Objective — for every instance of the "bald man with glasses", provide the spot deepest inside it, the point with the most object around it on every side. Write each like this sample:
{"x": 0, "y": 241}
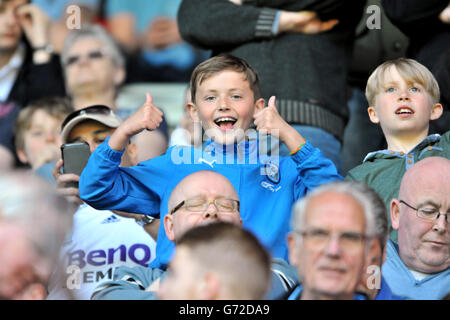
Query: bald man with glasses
{"x": 418, "y": 266}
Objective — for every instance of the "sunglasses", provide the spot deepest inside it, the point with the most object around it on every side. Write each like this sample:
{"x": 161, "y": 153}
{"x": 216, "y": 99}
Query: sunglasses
{"x": 97, "y": 109}
{"x": 93, "y": 55}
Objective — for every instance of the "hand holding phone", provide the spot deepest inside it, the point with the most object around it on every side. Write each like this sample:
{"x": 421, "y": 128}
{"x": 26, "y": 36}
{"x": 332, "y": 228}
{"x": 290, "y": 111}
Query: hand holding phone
{"x": 75, "y": 157}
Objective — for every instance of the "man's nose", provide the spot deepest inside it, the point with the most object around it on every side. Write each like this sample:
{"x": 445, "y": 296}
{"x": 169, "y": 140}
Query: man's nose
{"x": 211, "y": 212}
{"x": 441, "y": 224}
{"x": 333, "y": 247}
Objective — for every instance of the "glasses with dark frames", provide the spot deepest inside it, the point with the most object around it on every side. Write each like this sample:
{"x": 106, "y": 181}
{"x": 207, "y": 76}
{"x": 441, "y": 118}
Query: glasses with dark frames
{"x": 93, "y": 55}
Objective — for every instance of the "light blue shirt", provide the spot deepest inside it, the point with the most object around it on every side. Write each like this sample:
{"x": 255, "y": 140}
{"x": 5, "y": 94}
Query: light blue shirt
{"x": 402, "y": 282}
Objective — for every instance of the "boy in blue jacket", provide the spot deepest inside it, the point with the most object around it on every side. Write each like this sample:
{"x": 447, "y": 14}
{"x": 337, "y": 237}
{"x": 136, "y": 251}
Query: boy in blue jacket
{"x": 225, "y": 99}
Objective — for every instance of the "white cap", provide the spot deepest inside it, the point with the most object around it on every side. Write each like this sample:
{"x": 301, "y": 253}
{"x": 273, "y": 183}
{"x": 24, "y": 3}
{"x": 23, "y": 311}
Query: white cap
{"x": 99, "y": 113}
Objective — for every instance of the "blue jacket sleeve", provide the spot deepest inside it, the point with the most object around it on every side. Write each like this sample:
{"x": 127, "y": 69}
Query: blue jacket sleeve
{"x": 313, "y": 170}
{"x": 129, "y": 283}
{"x": 105, "y": 185}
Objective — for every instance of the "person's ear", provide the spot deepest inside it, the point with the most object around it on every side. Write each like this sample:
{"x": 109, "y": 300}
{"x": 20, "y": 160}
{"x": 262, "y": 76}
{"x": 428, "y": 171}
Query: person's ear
{"x": 168, "y": 227}
{"x": 436, "y": 111}
{"x": 292, "y": 245}
{"x": 209, "y": 288}
{"x": 193, "y": 111}
{"x": 119, "y": 76}
{"x": 259, "y": 104}
{"x": 373, "y": 114}
{"x": 395, "y": 213}
{"x": 22, "y": 156}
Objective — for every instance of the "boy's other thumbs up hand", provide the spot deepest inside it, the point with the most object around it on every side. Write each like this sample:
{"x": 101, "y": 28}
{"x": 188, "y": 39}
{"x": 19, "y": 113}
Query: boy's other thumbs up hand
{"x": 271, "y": 103}
{"x": 268, "y": 120}
{"x": 148, "y": 116}
{"x": 152, "y": 116}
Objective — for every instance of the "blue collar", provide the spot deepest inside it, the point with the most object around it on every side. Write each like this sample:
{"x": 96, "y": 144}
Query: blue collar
{"x": 297, "y": 292}
{"x": 431, "y": 139}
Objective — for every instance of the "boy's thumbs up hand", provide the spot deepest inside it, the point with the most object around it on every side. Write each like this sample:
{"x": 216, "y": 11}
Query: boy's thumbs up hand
{"x": 148, "y": 117}
{"x": 268, "y": 120}
{"x": 152, "y": 116}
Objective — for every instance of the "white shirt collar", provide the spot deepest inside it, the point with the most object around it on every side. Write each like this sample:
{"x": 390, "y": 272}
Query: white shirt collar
{"x": 15, "y": 62}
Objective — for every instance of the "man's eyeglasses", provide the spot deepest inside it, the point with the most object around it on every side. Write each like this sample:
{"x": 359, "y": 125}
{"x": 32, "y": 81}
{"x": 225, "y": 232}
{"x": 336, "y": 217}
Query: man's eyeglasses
{"x": 427, "y": 212}
{"x": 97, "y": 54}
{"x": 97, "y": 109}
{"x": 201, "y": 205}
{"x": 319, "y": 239}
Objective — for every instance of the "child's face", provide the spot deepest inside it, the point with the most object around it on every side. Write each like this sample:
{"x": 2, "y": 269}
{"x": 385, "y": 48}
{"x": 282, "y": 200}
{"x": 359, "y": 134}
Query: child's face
{"x": 42, "y": 140}
{"x": 402, "y": 107}
{"x": 225, "y": 106}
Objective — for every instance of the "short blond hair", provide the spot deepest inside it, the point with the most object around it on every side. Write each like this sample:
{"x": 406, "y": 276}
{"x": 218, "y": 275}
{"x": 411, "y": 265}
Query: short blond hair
{"x": 410, "y": 70}
{"x": 57, "y": 107}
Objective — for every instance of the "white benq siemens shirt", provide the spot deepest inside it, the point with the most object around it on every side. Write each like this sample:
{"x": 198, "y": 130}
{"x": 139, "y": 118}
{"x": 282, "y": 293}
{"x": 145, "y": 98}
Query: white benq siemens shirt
{"x": 100, "y": 241}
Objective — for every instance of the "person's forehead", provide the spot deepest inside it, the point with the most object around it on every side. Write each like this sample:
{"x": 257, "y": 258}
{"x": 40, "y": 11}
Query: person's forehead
{"x": 39, "y": 115}
{"x": 11, "y": 4}
{"x": 224, "y": 78}
{"x": 391, "y": 75}
{"x": 84, "y": 44}
{"x": 335, "y": 210}
{"x": 208, "y": 183}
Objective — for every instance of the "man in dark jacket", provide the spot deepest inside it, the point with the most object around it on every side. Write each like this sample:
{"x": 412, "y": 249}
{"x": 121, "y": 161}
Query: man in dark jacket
{"x": 28, "y": 68}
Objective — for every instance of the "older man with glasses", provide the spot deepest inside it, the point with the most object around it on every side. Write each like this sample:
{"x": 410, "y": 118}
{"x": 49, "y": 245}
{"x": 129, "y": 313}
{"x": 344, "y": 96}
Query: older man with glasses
{"x": 419, "y": 265}
{"x": 332, "y": 229}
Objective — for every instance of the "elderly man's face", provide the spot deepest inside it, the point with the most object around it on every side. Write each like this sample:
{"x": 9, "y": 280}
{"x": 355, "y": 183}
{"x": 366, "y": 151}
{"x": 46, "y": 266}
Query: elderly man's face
{"x": 331, "y": 266}
{"x": 205, "y": 186}
{"x": 89, "y": 69}
{"x": 23, "y": 272}
{"x": 424, "y": 245}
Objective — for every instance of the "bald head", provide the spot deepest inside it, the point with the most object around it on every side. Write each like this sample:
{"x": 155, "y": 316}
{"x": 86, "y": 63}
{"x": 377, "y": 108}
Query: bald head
{"x": 432, "y": 170}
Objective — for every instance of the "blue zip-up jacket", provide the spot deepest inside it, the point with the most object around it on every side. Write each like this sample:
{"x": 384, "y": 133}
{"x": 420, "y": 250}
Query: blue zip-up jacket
{"x": 267, "y": 186}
